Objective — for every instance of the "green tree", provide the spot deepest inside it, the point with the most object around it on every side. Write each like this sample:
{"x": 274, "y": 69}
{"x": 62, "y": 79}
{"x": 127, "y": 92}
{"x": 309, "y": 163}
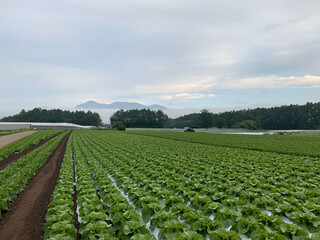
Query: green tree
{"x": 205, "y": 118}
{"x": 183, "y": 121}
{"x": 246, "y": 124}
{"x": 220, "y": 123}
{"x": 119, "y": 126}
{"x": 55, "y": 115}
{"x": 140, "y": 118}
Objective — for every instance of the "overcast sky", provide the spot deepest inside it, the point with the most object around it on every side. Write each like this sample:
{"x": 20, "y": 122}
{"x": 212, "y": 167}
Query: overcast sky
{"x": 188, "y": 54}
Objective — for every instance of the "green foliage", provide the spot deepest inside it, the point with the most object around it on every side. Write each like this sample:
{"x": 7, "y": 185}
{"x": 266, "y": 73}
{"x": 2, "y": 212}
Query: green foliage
{"x": 285, "y": 117}
{"x": 191, "y": 191}
{"x": 8, "y": 132}
{"x": 183, "y": 121}
{"x": 15, "y": 177}
{"x": 300, "y": 144}
{"x": 95, "y": 224}
{"x": 140, "y": 118}
{"x": 205, "y": 118}
{"x": 220, "y": 123}
{"x": 222, "y": 234}
{"x": 119, "y": 126}
{"x": 55, "y": 115}
{"x": 28, "y": 141}
{"x": 134, "y": 187}
{"x": 246, "y": 124}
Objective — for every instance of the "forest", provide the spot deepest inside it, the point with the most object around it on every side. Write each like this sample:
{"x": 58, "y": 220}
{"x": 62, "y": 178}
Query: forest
{"x": 55, "y": 115}
{"x": 305, "y": 116}
{"x": 140, "y": 118}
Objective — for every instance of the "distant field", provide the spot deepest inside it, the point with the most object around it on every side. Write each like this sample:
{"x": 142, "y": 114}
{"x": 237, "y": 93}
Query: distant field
{"x": 303, "y": 144}
{"x": 207, "y": 130}
{"x": 7, "y": 132}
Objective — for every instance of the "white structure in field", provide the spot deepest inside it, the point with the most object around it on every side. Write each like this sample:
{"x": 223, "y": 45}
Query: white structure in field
{"x": 35, "y": 125}
{"x": 14, "y": 125}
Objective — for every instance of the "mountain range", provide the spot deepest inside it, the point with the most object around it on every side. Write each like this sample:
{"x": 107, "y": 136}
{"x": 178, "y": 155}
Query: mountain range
{"x": 119, "y": 105}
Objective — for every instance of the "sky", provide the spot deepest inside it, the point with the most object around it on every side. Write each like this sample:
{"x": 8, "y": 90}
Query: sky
{"x": 185, "y": 55}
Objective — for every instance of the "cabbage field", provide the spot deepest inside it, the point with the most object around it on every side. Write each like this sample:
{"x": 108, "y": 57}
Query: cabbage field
{"x": 141, "y": 187}
{"x": 116, "y": 185}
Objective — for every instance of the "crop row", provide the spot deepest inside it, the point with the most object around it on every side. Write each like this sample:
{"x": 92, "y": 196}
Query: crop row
{"x": 15, "y": 177}
{"x": 155, "y": 214}
{"x": 238, "y": 186}
{"x": 60, "y": 215}
{"x": 103, "y": 212}
{"x": 95, "y": 223}
{"x": 23, "y": 143}
{"x": 137, "y": 187}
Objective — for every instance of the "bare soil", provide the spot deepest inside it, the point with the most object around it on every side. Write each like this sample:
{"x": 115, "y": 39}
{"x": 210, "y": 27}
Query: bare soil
{"x": 7, "y": 139}
{"x": 14, "y": 157}
{"x": 26, "y": 216}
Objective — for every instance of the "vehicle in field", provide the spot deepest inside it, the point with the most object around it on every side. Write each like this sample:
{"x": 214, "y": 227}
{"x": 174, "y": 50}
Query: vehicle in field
{"x": 189, "y": 129}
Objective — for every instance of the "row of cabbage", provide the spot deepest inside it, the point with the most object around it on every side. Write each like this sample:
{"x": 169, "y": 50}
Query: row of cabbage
{"x": 60, "y": 215}
{"x": 296, "y": 144}
{"x": 26, "y": 142}
{"x": 179, "y": 198}
{"x": 186, "y": 190}
{"x": 15, "y": 177}
{"x": 102, "y": 211}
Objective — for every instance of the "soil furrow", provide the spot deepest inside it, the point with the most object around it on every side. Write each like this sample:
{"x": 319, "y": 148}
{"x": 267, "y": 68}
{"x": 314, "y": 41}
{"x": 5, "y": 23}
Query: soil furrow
{"x": 16, "y": 156}
{"x": 26, "y": 216}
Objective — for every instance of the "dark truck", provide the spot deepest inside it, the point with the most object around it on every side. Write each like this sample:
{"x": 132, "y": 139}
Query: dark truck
{"x": 188, "y": 129}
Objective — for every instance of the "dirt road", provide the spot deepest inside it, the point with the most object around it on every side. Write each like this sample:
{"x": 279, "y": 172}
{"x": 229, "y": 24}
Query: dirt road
{"x": 7, "y": 139}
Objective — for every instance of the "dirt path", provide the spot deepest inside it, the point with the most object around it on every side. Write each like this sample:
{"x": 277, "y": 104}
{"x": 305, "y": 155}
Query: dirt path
{"x": 26, "y": 215}
{"x": 7, "y": 139}
{"x": 14, "y": 157}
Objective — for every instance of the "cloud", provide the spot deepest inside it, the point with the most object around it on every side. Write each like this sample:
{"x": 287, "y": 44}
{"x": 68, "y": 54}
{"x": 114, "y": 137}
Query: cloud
{"x": 191, "y": 84}
{"x": 182, "y": 90}
{"x": 186, "y": 96}
{"x": 272, "y": 82}
{"x": 66, "y": 51}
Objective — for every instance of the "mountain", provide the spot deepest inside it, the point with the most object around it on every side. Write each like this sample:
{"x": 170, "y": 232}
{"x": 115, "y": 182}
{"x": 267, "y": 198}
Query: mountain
{"x": 92, "y": 105}
{"x": 119, "y": 105}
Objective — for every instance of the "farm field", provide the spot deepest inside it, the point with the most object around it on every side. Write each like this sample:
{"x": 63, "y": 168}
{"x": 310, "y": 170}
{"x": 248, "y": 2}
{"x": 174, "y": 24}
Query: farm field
{"x": 304, "y": 144}
{"x": 29, "y": 139}
{"x": 117, "y": 185}
{"x": 8, "y": 132}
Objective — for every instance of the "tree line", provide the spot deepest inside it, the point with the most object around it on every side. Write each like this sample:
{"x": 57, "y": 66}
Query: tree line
{"x": 55, "y": 115}
{"x": 305, "y": 116}
{"x": 140, "y": 118}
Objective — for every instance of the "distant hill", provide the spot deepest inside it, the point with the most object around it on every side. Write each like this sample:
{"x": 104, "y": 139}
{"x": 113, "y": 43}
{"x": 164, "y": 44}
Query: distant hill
{"x": 119, "y": 105}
